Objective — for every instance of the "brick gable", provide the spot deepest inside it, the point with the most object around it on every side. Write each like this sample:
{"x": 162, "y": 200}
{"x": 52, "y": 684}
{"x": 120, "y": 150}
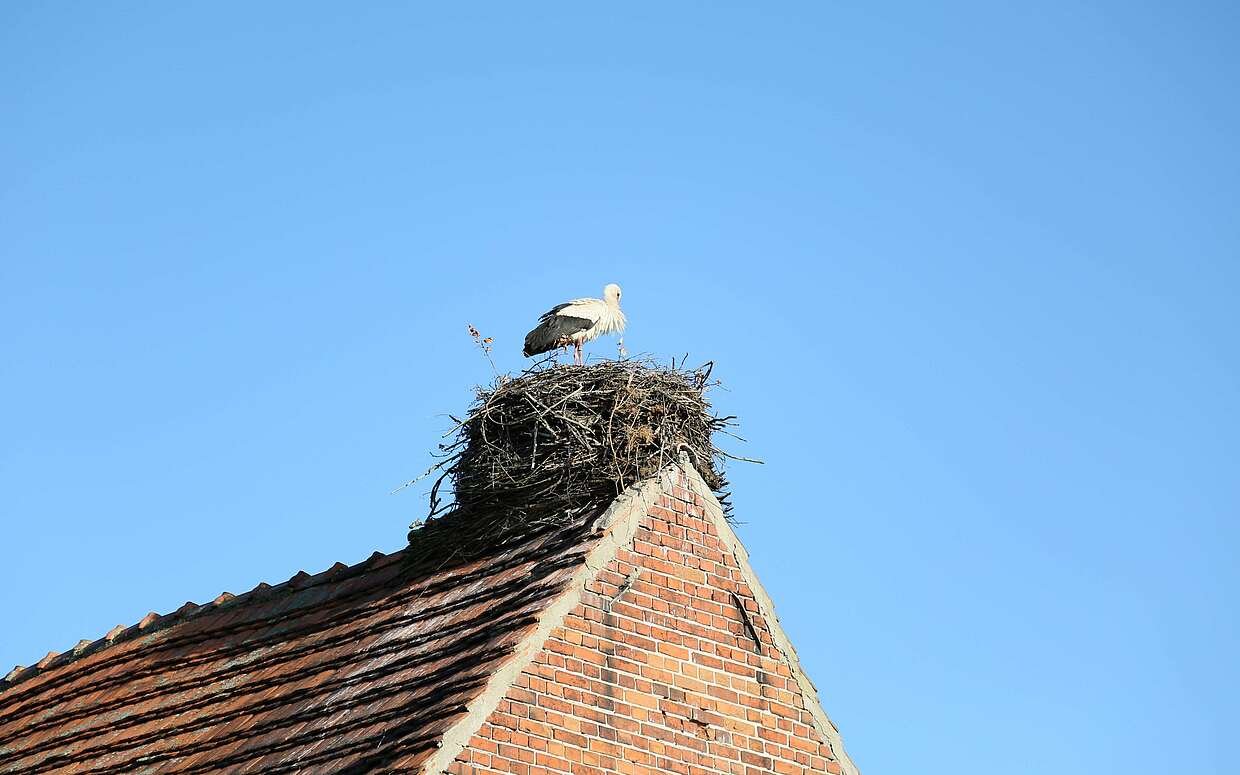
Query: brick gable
{"x": 669, "y": 661}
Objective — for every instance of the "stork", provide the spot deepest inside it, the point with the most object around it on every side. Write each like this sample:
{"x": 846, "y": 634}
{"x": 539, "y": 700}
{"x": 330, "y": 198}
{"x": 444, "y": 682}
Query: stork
{"x": 577, "y": 322}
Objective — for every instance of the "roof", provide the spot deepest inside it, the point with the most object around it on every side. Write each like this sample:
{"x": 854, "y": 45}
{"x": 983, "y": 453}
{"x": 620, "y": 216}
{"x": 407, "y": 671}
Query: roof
{"x": 389, "y": 665}
{"x": 357, "y": 669}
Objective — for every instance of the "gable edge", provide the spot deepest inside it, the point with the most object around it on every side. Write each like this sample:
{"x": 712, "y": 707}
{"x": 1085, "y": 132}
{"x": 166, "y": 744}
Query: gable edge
{"x": 729, "y": 539}
{"x": 620, "y": 522}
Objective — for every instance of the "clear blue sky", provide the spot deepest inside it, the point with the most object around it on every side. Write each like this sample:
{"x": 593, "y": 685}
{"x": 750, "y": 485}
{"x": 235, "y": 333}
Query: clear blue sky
{"x": 970, "y": 274}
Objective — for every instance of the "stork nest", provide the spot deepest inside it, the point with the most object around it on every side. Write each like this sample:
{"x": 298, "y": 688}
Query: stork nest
{"x": 557, "y": 441}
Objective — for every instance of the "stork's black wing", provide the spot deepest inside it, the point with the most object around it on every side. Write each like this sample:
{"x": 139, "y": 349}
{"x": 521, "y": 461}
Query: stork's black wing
{"x": 552, "y": 330}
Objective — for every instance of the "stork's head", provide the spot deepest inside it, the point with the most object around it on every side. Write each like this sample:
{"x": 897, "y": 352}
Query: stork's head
{"x": 611, "y": 294}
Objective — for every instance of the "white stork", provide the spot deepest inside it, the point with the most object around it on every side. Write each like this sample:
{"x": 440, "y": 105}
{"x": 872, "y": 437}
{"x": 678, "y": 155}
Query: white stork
{"x": 577, "y": 322}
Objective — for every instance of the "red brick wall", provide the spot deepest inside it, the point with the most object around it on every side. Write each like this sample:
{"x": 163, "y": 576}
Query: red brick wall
{"x": 656, "y": 673}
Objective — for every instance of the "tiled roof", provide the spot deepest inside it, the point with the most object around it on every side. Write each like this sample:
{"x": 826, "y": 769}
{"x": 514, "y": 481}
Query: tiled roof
{"x": 357, "y": 669}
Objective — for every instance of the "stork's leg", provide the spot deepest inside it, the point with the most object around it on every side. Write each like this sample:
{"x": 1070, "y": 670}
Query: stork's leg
{"x": 577, "y": 356}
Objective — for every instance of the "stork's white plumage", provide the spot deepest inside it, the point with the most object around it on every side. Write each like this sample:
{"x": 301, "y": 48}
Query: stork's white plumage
{"x": 577, "y": 322}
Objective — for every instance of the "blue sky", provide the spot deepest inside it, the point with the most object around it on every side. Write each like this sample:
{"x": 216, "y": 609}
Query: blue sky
{"x": 969, "y": 273}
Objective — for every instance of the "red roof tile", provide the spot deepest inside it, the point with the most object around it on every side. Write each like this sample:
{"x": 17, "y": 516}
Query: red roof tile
{"x": 353, "y": 670}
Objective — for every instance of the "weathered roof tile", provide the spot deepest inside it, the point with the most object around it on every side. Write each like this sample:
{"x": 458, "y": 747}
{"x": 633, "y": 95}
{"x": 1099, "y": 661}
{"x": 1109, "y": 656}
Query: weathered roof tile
{"x": 355, "y": 667}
